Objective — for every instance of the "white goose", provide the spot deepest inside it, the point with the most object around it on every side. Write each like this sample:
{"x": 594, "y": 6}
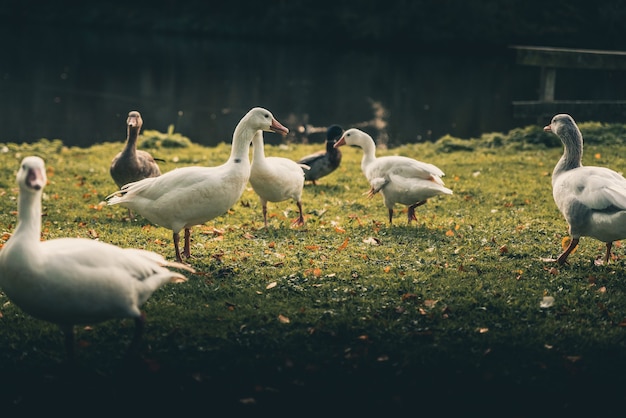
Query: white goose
{"x": 400, "y": 179}
{"x": 70, "y": 281}
{"x": 592, "y": 199}
{"x": 191, "y": 196}
{"x": 275, "y": 179}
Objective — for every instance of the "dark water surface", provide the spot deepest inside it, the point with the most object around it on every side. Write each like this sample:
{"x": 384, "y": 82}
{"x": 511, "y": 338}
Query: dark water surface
{"x": 79, "y": 86}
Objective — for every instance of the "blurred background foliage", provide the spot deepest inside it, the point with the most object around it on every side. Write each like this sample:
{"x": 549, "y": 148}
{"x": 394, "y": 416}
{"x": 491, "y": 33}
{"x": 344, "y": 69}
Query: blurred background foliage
{"x": 404, "y": 24}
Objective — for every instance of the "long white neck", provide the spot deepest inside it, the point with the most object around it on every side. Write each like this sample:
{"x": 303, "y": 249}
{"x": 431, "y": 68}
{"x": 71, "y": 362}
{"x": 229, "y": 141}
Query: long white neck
{"x": 241, "y": 144}
{"x": 369, "y": 154}
{"x": 29, "y": 216}
{"x": 258, "y": 151}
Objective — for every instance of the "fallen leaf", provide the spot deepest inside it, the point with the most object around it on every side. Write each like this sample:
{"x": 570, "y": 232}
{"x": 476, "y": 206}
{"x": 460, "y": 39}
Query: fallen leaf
{"x": 283, "y": 319}
{"x": 546, "y": 302}
{"x": 482, "y": 330}
{"x": 344, "y": 244}
{"x": 371, "y": 240}
{"x": 430, "y": 303}
{"x": 271, "y": 285}
{"x": 387, "y": 269}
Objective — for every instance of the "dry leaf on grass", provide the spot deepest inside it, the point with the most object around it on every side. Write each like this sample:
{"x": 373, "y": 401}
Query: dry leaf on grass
{"x": 371, "y": 240}
{"x": 546, "y": 302}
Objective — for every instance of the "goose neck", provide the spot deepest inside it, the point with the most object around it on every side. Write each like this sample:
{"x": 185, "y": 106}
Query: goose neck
{"x": 572, "y": 152}
{"x": 131, "y": 141}
{"x": 369, "y": 155}
{"x": 258, "y": 148}
{"x": 29, "y": 216}
{"x": 241, "y": 144}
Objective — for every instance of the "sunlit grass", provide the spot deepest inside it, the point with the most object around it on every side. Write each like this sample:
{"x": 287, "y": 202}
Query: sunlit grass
{"x": 459, "y": 290}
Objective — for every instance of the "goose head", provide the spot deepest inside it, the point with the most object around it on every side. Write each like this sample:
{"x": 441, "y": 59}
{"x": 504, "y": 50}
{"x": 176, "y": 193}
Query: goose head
{"x": 563, "y": 126}
{"x": 355, "y": 137}
{"x": 262, "y": 119}
{"x": 134, "y": 121}
{"x": 31, "y": 176}
{"x": 334, "y": 133}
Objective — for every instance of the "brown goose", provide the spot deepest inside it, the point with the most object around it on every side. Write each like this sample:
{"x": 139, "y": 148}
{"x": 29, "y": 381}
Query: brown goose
{"x": 132, "y": 164}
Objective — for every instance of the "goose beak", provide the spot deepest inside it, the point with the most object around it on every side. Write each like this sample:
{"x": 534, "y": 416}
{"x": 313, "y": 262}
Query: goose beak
{"x": 341, "y": 142}
{"x": 132, "y": 121}
{"x": 547, "y": 128}
{"x": 35, "y": 179}
{"x": 278, "y": 128}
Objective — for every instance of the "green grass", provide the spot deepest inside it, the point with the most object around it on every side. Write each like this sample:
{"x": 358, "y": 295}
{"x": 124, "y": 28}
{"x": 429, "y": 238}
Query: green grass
{"x": 346, "y": 312}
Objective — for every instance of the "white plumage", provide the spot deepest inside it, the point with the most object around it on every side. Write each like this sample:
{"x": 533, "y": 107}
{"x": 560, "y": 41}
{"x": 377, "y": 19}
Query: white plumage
{"x": 70, "y": 281}
{"x": 190, "y": 196}
{"x": 592, "y": 199}
{"x": 275, "y": 179}
{"x": 399, "y": 179}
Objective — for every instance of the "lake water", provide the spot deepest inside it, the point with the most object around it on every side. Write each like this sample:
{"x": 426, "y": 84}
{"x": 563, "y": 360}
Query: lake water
{"x": 79, "y": 86}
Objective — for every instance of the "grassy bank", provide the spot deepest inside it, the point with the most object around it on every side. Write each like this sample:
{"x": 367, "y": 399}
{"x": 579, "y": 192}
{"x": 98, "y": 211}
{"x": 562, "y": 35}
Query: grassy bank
{"x": 346, "y": 314}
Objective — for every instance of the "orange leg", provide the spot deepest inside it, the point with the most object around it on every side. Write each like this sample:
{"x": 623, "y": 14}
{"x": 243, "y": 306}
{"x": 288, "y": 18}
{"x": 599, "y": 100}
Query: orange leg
{"x": 299, "y": 221}
{"x": 563, "y": 257}
{"x": 411, "y": 211}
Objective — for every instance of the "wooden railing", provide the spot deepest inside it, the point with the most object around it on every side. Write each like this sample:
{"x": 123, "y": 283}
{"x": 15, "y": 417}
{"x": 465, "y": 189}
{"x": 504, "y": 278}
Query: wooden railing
{"x": 549, "y": 60}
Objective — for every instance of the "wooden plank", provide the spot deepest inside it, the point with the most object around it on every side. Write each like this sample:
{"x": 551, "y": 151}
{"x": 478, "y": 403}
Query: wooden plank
{"x": 570, "y": 58}
{"x": 548, "y": 83}
{"x": 580, "y": 109}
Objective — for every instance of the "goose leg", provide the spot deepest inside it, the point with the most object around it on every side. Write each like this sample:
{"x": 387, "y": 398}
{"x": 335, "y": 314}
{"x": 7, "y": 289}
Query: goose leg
{"x": 133, "y": 348}
{"x": 411, "y": 211}
{"x": 187, "y": 249}
{"x": 176, "y": 238}
{"x": 563, "y": 257}
{"x": 299, "y": 221}
{"x": 265, "y": 214}
{"x": 390, "y": 216}
{"x": 68, "y": 334}
{"x": 607, "y": 257}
